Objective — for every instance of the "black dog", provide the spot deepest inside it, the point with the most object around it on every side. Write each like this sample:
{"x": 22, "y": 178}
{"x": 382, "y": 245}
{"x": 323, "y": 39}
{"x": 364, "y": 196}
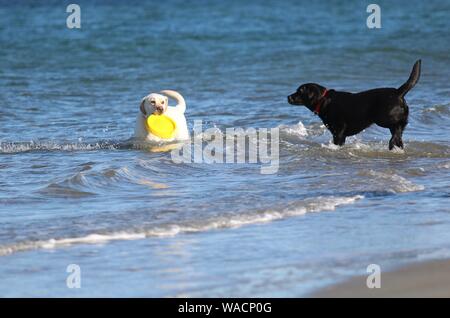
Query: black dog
{"x": 346, "y": 114}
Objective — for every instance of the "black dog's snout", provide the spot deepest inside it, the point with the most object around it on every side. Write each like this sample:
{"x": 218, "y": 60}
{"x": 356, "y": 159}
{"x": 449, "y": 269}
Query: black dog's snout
{"x": 289, "y": 99}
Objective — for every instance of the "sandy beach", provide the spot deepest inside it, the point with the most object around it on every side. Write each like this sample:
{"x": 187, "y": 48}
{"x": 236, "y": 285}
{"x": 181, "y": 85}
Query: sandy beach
{"x": 429, "y": 279}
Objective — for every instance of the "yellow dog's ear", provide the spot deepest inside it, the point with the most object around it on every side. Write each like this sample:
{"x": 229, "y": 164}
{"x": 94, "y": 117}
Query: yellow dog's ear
{"x": 141, "y": 107}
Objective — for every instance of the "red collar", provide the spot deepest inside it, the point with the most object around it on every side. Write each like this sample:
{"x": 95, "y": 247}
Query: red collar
{"x": 320, "y": 102}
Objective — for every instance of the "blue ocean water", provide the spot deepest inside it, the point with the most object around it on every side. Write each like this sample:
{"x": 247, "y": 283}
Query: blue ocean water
{"x": 74, "y": 189}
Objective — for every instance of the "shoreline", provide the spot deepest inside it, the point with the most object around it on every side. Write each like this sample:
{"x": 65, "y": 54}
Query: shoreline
{"x": 429, "y": 279}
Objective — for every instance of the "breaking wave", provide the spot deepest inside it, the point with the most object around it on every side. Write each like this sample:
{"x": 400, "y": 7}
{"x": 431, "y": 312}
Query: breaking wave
{"x": 392, "y": 182}
{"x": 19, "y": 147}
{"x": 316, "y": 204}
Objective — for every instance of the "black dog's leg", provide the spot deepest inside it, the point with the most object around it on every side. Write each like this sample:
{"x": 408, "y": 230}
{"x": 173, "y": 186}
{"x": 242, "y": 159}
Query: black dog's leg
{"x": 339, "y": 136}
{"x": 396, "y": 139}
{"x": 338, "y": 140}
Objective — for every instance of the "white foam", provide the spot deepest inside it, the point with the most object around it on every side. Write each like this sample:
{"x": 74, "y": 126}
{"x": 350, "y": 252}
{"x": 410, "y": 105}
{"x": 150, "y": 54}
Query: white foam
{"x": 17, "y": 147}
{"x": 330, "y": 146}
{"x": 92, "y": 239}
{"x": 234, "y": 221}
{"x": 396, "y": 183}
{"x": 398, "y": 150}
{"x": 298, "y": 130}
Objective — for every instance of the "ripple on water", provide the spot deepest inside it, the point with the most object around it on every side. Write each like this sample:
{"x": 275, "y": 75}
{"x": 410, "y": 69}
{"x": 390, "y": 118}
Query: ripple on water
{"x": 307, "y": 141}
{"x": 316, "y": 204}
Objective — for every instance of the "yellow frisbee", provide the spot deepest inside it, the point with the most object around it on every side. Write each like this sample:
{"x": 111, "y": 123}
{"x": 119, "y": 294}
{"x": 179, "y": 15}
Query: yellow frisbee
{"x": 161, "y": 126}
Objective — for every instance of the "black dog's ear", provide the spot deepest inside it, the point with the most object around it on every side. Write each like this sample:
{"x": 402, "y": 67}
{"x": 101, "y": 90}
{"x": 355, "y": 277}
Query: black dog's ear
{"x": 313, "y": 94}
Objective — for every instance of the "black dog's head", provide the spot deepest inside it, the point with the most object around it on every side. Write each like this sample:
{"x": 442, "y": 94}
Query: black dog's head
{"x": 308, "y": 95}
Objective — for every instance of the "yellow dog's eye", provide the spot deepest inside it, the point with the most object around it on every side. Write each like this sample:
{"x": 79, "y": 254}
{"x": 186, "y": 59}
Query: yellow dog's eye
{"x": 162, "y": 102}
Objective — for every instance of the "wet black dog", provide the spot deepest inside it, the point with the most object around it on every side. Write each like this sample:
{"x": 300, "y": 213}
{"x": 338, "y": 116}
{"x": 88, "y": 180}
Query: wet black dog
{"x": 346, "y": 114}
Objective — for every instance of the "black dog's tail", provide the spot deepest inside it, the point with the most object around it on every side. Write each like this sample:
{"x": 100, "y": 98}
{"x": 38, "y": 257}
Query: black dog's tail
{"x": 412, "y": 80}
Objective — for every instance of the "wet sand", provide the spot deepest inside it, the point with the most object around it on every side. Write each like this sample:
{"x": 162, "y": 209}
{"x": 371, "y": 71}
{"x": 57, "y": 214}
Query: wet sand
{"x": 429, "y": 279}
